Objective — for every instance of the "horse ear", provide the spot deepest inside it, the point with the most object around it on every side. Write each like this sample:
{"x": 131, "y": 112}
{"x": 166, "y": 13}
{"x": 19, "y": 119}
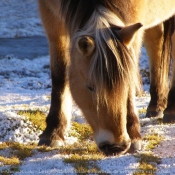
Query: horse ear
{"x": 127, "y": 33}
{"x": 85, "y": 45}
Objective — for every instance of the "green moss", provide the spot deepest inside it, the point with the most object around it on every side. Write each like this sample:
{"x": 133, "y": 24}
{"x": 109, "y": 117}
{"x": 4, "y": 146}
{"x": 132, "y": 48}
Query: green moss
{"x": 3, "y": 146}
{"x": 45, "y": 149}
{"x": 84, "y": 154}
{"x": 147, "y": 164}
{"x": 153, "y": 140}
{"x": 81, "y": 131}
{"x": 81, "y": 148}
{"x": 148, "y": 161}
{"x": 11, "y": 170}
{"x": 142, "y": 111}
{"x": 37, "y": 117}
{"x": 12, "y": 162}
{"x": 84, "y": 163}
{"x": 9, "y": 161}
{"x": 22, "y": 150}
{"x": 85, "y": 160}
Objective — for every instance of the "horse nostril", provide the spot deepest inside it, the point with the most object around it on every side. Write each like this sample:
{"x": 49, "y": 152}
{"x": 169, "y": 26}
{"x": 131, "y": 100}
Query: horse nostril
{"x": 104, "y": 146}
{"x": 112, "y": 149}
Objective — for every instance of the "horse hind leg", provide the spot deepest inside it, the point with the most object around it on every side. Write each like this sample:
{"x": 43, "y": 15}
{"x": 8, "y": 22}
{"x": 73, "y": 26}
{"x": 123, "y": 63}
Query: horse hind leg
{"x": 169, "y": 113}
{"x": 60, "y": 110}
{"x": 159, "y": 67}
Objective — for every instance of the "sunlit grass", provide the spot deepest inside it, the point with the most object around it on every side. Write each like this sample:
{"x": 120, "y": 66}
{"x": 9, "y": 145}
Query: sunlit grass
{"x": 22, "y": 150}
{"x": 12, "y": 169}
{"x": 9, "y": 161}
{"x": 81, "y": 131}
{"x": 37, "y": 117}
{"x": 147, "y": 164}
{"x": 153, "y": 140}
{"x": 84, "y": 154}
{"x": 18, "y": 152}
{"x": 142, "y": 111}
{"x": 84, "y": 163}
{"x": 12, "y": 162}
{"x": 147, "y": 161}
{"x": 3, "y": 146}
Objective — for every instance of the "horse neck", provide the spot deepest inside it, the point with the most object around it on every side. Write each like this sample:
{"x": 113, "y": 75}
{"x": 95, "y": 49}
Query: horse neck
{"x": 147, "y": 12}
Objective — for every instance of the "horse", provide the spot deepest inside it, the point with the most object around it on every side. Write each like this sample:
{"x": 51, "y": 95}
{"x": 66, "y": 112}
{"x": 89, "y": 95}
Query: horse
{"x": 94, "y": 52}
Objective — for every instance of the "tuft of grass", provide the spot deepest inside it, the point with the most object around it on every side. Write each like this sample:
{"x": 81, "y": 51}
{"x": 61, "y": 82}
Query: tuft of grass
{"x": 153, "y": 140}
{"x": 84, "y": 157}
{"x": 3, "y": 146}
{"x": 21, "y": 151}
{"x": 81, "y": 148}
{"x": 84, "y": 163}
{"x": 148, "y": 164}
{"x": 9, "y": 161}
{"x": 142, "y": 111}
{"x": 84, "y": 154}
{"x": 37, "y": 117}
{"x": 11, "y": 171}
{"x": 12, "y": 162}
{"x": 45, "y": 149}
{"x": 81, "y": 131}
{"x": 147, "y": 161}
{"x": 18, "y": 153}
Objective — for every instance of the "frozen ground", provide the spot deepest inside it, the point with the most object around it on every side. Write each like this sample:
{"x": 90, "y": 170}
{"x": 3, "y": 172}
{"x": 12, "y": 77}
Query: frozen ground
{"x": 19, "y": 18}
{"x": 26, "y": 84}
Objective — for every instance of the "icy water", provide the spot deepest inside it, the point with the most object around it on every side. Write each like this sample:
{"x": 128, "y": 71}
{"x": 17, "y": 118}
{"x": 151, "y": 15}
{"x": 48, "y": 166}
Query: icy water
{"x": 24, "y": 47}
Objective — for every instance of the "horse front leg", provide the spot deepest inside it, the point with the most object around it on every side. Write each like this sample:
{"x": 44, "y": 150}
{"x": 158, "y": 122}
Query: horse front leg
{"x": 169, "y": 113}
{"x": 60, "y": 110}
{"x": 159, "y": 67}
{"x": 133, "y": 125}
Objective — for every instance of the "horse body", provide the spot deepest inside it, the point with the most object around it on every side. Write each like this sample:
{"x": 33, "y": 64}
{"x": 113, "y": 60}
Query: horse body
{"x": 94, "y": 50}
{"x": 158, "y": 11}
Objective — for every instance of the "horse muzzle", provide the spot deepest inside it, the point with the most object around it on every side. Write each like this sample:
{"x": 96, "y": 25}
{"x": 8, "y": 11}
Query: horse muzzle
{"x": 113, "y": 149}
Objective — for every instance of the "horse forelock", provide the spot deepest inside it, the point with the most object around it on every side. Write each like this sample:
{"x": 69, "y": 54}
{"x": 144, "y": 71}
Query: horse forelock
{"x": 77, "y": 12}
{"x": 113, "y": 68}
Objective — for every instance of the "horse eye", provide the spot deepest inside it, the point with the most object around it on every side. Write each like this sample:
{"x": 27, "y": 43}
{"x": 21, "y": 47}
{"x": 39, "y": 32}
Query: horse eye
{"x": 90, "y": 88}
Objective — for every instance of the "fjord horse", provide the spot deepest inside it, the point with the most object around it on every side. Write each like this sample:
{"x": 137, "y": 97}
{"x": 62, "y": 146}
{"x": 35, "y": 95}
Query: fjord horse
{"x": 94, "y": 51}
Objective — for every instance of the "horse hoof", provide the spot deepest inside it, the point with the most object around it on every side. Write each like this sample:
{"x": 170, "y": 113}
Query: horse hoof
{"x": 150, "y": 114}
{"x": 51, "y": 143}
{"x": 135, "y": 146}
{"x": 44, "y": 142}
{"x": 169, "y": 118}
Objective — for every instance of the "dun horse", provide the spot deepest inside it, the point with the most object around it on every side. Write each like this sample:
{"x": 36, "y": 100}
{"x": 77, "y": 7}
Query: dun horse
{"x": 94, "y": 52}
